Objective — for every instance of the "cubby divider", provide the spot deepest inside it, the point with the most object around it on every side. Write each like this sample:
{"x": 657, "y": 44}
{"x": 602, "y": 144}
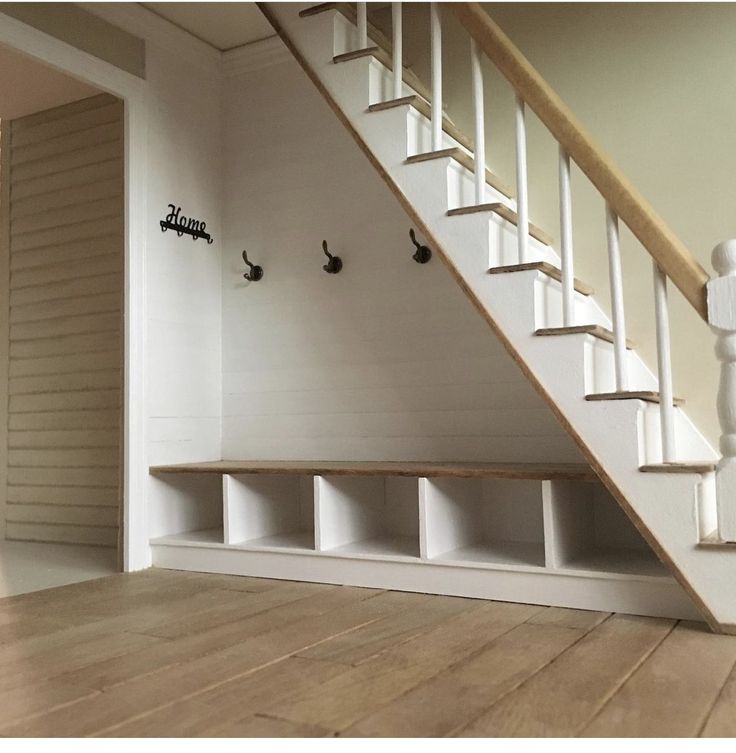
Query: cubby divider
{"x": 269, "y": 511}
{"x": 368, "y": 515}
{"x": 490, "y": 521}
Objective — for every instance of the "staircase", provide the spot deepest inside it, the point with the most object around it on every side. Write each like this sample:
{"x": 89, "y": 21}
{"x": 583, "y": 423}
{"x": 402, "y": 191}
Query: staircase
{"x": 575, "y": 356}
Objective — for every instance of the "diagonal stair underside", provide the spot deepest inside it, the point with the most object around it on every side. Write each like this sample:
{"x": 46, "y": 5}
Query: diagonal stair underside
{"x": 673, "y": 511}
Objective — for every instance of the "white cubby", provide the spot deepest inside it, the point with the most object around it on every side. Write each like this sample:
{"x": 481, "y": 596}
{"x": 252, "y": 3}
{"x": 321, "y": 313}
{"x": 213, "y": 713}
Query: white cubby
{"x": 587, "y": 530}
{"x": 368, "y": 515}
{"x": 460, "y": 531}
{"x": 269, "y": 511}
{"x": 189, "y": 508}
{"x": 488, "y": 521}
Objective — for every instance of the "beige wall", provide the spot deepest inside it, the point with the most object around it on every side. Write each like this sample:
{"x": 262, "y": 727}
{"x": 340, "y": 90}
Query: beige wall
{"x": 654, "y": 84}
{"x": 84, "y": 31}
{"x": 64, "y": 171}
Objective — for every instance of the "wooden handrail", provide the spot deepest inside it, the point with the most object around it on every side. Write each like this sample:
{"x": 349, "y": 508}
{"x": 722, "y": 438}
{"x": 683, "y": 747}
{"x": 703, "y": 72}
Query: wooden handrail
{"x": 669, "y": 252}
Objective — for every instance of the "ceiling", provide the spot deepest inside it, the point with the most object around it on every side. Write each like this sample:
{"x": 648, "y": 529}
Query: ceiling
{"x": 27, "y": 86}
{"x": 223, "y": 25}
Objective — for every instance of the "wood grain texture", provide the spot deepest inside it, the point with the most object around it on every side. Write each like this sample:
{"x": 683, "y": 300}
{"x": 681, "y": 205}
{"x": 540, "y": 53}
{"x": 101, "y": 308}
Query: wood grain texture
{"x": 594, "y": 330}
{"x": 383, "y": 57}
{"x": 119, "y": 657}
{"x": 545, "y": 268}
{"x": 685, "y": 467}
{"x": 559, "y": 700}
{"x": 65, "y": 322}
{"x": 540, "y": 471}
{"x": 692, "y": 666}
{"x": 507, "y": 214}
{"x": 423, "y": 107}
{"x": 648, "y": 396}
{"x": 665, "y": 247}
{"x": 466, "y": 160}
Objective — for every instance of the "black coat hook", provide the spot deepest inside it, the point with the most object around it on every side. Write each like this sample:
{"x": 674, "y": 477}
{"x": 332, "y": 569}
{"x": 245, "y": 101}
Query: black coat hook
{"x": 255, "y": 273}
{"x": 423, "y": 253}
{"x": 334, "y": 265}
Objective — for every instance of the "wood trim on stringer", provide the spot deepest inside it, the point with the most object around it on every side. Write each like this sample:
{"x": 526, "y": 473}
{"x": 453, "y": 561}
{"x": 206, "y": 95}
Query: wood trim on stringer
{"x": 427, "y": 233}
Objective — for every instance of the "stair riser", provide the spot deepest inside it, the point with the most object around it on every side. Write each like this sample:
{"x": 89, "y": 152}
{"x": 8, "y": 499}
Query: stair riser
{"x": 664, "y": 504}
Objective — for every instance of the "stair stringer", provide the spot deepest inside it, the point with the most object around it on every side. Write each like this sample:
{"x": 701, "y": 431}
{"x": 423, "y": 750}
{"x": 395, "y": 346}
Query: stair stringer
{"x": 668, "y": 509}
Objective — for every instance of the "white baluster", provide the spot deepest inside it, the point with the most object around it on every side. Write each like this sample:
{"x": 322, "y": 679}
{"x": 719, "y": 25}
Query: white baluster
{"x": 664, "y": 366}
{"x": 480, "y": 128}
{"x": 522, "y": 199}
{"x": 362, "y": 26}
{"x": 617, "y": 300}
{"x": 722, "y": 318}
{"x": 398, "y": 62}
{"x": 436, "y": 54}
{"x": 566, "y": 261}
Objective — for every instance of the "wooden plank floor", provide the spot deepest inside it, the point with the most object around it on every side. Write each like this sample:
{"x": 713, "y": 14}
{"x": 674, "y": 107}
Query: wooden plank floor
{"x": 163, "y": 653}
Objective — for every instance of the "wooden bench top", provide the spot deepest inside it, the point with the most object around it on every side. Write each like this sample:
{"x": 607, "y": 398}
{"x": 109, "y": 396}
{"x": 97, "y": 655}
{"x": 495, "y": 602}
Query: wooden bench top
{"x": 531, "y": 471}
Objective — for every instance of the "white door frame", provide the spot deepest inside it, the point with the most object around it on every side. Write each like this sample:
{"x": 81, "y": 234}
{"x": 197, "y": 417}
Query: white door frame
{"x": 132, "y": 90}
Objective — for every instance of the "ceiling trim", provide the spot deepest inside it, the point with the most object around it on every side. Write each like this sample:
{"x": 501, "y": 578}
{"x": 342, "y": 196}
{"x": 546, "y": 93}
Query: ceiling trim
{"x": 148, "y": 25}
{"x": 254, "y": 56}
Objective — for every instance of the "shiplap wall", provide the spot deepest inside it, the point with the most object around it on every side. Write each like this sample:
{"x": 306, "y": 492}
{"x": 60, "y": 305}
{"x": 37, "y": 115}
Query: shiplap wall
{"x": 386, "y": 360}
{"x": 66, "y": 287}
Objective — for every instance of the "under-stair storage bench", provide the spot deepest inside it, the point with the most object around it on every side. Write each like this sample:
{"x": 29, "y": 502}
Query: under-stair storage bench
{"x": 537, "y": 533}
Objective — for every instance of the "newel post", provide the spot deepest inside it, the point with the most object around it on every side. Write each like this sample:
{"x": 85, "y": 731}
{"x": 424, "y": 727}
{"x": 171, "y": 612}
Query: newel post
{"x": 722, "y": 319}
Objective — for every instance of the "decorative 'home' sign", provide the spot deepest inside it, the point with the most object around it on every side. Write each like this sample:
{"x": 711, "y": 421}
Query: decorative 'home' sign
{"x": 177, "y": 222}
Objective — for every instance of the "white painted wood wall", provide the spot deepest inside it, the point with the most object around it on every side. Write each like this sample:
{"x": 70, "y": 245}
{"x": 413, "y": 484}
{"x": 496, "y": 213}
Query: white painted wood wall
{"x": 65, "y": 173}
{"x": 386, "y": 360}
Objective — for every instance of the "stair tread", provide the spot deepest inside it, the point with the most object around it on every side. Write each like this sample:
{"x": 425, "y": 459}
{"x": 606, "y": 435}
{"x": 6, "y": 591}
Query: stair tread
{"x": 349, "y": 11}
{"x": 713, "y": 540}
{"x": 596, "y": 330}
{"x": 540, "y": 471}
{"x": 466, "y": 160}
{"x": 545, "y": 268}
{"x": 691, "y": 466}
{"x": 507, "y": 214}
{"x": 382, "y": 56}
{"x": 649, "y": 396}
{"x": 422, "y": 106}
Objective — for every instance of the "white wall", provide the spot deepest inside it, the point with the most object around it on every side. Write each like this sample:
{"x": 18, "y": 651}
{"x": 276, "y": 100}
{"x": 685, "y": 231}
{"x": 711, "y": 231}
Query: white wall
{"x": 183, "y": 287}
{"x": 386, "y": 360}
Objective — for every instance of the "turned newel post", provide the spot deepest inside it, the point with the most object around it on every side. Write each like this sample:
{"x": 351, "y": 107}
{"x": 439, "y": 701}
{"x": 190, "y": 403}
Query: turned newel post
{"x": 722, "y": 319}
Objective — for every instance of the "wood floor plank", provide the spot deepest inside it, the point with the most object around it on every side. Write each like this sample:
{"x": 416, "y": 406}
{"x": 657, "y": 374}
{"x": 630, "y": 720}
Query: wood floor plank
{"x": 721, "y": 721}
{"x": 65, "y": 637}
{"x": 266, "y": 726}
{"x": 19, "y": 703}
{"x": 104, "y": 712}
{"x": 165, "y": 653}
{"x": 563, "y": 697}
{"x": 115, "y": 671}
{"x": 352, "y": 695}
{"x": 361, "y": 645}
{"x": 459, "y": 694}
{"x": 571, "y": 618}
{"x": 208, "y": 713}
{"x": 45, "y": 665}
{"x": 672, "y": 693}
{"x": 241, "y": 605}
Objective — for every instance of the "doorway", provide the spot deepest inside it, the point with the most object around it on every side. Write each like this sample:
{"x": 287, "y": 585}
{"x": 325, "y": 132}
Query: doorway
{"x": 61, "y": 327}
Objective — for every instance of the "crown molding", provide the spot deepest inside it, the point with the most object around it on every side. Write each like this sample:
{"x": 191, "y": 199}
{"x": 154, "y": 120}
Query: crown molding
{"x": 143, "y": 23}
{"x": 254, "y": 56}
